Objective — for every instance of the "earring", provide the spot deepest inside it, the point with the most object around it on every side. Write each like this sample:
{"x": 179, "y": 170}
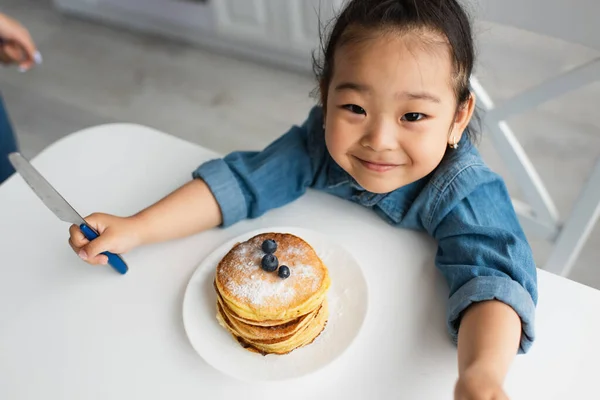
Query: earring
{"x": 454, "y": 144}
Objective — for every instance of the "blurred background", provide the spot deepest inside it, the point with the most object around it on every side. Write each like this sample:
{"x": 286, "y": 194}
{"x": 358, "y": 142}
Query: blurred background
{"x": 235, "y": 74}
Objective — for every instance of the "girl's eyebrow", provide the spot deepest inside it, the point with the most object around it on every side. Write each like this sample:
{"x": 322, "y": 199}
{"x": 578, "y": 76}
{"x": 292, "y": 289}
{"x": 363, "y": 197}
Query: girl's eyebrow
{"x": 358, "y": 87}
{"x": 420, "y": 96}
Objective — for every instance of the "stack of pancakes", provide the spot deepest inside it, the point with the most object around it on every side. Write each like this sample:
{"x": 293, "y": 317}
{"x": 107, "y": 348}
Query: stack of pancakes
{"x": 264, "y": 312}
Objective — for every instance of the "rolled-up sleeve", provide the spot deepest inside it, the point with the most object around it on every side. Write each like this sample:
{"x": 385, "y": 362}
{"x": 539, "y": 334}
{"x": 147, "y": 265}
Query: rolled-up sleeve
{"x": 246, "y": 184}
{"x": 482, "y": 250}
{"x": 224, "y": 186}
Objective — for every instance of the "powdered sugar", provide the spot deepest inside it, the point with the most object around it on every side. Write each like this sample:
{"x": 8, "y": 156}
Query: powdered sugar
{"x": 258, "y": 292}
{"x": 292, "y": 252}
{"x": 258, "y": 287}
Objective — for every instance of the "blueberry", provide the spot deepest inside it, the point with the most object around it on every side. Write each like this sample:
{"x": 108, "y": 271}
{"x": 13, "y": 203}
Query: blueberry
{"x": 270, "y": 263}
{"x": 269, "y": 246}
{"x": 284, "y": 272}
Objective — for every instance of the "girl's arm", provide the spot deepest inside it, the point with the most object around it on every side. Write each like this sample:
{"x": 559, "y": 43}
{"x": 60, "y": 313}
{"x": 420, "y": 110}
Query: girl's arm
{"x": 488, "y": 341}
{"x": 484, "y": 255}
{"x": 190, "y": 209}
{"x": 244, "y": 184}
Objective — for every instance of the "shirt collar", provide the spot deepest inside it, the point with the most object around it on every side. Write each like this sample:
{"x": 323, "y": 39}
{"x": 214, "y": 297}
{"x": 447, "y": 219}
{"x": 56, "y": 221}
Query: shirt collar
{"x": 393, "y": 204}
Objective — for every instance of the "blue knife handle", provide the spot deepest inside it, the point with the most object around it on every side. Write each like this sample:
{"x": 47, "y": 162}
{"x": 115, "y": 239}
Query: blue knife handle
{"x": 114, "y": 260}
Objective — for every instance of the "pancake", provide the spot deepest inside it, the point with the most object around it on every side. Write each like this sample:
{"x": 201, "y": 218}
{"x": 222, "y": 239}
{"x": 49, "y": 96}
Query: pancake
{"x": 257, "y": 295}
{"x": 284, "y": 345}
{"x": 251, "y": 331}
{"x": 264, "y": 312}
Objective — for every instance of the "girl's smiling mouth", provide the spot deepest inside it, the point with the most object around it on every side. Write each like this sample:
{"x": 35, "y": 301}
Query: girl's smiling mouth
{"x": 377, "y": 166}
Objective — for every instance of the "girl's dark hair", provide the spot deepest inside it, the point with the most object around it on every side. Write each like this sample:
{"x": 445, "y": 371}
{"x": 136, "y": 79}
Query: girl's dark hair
{"x": 361, "y": 18}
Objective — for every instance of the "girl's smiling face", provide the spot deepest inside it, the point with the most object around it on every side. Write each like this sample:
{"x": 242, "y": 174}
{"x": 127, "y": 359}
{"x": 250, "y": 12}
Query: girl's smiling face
{"x": 391, "y": 109}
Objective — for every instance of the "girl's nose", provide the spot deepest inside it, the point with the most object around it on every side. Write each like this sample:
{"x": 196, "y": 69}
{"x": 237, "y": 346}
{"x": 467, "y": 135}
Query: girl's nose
{"x": 382, "y": 135}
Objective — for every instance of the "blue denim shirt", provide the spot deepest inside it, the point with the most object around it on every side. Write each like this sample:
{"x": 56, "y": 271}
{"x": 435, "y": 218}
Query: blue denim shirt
{"x": 482, "y": 251}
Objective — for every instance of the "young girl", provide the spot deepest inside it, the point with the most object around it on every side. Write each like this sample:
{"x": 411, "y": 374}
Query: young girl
{"x": 392, "y": 133}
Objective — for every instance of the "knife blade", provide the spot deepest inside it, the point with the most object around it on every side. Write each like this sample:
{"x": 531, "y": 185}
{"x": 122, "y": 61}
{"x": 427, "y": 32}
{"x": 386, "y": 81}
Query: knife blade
{"x": 58, "y": 205}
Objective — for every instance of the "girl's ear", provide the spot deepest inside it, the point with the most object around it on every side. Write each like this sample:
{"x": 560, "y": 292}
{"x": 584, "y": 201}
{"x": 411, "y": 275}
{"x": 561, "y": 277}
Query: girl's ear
{"x": 462, "y": 119}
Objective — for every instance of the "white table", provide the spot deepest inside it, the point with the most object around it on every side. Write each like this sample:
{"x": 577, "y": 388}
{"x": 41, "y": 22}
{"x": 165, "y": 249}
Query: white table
{"x": 73, "y": 331}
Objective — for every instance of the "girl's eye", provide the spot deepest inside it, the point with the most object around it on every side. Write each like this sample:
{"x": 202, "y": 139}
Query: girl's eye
{"x": 353, "y": 108}
{"x": 413, "y": 117}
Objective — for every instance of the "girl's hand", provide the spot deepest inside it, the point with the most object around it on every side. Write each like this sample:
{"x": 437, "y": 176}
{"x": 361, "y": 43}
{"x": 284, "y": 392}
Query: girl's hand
{"x": 478, "y": 385}
{"x": 16, "y": 44}
{"x": 117, "y": 235}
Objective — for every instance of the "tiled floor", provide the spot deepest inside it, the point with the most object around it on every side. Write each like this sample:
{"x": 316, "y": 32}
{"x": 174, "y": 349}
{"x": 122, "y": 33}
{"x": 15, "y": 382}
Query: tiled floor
{"x": 93, "y": 74}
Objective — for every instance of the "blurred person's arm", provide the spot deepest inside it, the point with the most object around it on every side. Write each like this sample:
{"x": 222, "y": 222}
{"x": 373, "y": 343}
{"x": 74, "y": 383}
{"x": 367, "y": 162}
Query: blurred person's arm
{"x": 16, "y": 45}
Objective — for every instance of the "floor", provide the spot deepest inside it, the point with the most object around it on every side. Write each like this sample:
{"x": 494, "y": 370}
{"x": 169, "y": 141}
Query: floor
{"x": 94, "y": 74}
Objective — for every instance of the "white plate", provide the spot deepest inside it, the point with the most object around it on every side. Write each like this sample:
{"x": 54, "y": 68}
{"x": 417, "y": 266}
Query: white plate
{"x": 347, "y": 298}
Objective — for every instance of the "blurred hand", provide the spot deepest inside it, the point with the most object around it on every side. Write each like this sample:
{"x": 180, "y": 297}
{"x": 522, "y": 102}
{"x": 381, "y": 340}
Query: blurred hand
{"x": 117, "y": 235}
{"x": 16, "y": 44}
{"x": 478, "y": 385}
